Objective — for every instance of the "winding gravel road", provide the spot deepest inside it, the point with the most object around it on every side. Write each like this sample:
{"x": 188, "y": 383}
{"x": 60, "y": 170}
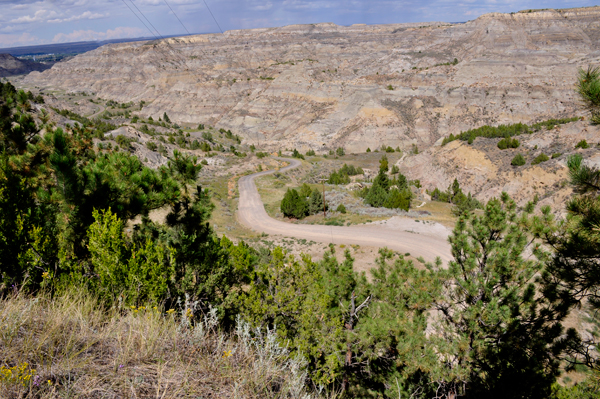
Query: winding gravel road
{"x": 251, "y": 213}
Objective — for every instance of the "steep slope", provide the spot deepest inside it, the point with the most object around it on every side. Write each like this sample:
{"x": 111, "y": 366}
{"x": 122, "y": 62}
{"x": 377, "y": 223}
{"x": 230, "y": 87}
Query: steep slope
{"x": 323, "y": 86}
{"x": 486, "y": 171}
{"x": 11, "y": 66}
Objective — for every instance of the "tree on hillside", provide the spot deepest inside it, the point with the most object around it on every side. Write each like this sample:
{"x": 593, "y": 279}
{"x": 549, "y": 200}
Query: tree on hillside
{"x": 574, "y": 272}
{"x": 588, "y": 88}
{"x": 495, "y": 335}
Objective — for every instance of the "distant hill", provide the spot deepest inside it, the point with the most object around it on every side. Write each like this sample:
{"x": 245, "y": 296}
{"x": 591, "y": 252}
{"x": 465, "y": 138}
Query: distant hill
{"x": 10, "y": 66}
{"x": 66, "y": 48}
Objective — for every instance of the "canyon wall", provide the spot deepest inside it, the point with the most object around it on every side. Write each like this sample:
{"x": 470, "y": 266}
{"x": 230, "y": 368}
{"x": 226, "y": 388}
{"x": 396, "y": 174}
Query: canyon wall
{"x": 323, "y": 86}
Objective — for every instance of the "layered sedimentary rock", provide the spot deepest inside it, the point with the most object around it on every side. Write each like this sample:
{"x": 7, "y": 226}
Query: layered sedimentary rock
{"x": 322, "y": 86}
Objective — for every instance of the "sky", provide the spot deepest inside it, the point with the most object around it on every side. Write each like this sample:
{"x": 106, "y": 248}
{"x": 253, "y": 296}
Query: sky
{"x": 30, "y": 22}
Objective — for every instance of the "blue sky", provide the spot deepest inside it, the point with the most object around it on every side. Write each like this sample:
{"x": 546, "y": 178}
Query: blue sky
{"x": 29, "y": 22}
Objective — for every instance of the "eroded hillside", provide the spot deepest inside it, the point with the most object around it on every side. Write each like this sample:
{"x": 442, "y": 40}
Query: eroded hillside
{"x": 322, "y": 86}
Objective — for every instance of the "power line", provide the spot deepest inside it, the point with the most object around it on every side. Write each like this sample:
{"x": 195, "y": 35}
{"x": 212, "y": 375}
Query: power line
{"x": 147, "y": 19}
{"x": 213, "y": 17}
{"x": 173, "y": 11}
{"x": 138, "y": 17}
{"x": 175, "y": 53}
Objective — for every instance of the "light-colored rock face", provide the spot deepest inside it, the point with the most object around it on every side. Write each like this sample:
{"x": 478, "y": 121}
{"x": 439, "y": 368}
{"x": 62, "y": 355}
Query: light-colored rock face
{"x": 486, "y": 171}
{"x": 323, "y": 86}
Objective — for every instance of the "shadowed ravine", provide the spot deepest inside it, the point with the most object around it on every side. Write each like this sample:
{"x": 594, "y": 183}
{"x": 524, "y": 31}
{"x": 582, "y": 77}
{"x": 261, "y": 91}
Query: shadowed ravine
{"x": 251, "y": 213}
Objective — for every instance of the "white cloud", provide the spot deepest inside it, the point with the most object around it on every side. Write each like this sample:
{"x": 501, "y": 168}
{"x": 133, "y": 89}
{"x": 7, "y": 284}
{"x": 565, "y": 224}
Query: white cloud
{"x": 23, "y": 39}
{"x": 90, "y": 35}
{"x": 9, "y": 29}
{"x": 39, "y": 15}
{"x": 85, "y": 15}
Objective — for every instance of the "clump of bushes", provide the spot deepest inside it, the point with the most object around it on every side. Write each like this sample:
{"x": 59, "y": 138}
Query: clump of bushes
{"x": 303, "y": 202}
{"x": 151, "y": 145}
{"x": 539, "y": 159}
{"x": 342, "y": 176}
{"x": 261, "y": 155}
{"x": 386, "y": 192}
{"x": 507, "y": 142}
{"x": 341, "y": 208}
{"x": 454, "y": 195}
{"x": 293, "y": 205}
{"x": 583, "y": 144}
{"x": 505, "y": 130}
{"x": 518, "y": 160}
{"x": 296, "y": 154}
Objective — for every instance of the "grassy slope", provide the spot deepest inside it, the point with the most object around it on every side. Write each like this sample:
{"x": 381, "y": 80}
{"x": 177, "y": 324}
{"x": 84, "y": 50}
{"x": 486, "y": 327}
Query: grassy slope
{"x": 70, "y": 346}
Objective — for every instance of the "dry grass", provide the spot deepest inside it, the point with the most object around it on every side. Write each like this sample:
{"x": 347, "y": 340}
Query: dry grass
{"x": 441, "y": 212}
{"x": 71, "y": 347}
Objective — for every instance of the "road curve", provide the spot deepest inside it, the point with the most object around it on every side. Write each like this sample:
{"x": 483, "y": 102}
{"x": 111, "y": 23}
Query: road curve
{"x": 251, "y": 213}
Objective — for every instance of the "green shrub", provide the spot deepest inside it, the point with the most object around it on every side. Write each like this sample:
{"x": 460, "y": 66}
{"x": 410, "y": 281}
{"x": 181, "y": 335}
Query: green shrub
{"x": 124, "y": 142}
{"x": 397, "y": 199}
{"x": 261, "y": 155}
{"x": 507, "y": 142}
{"x": 315, "y": 202}
{"x": 588, "y": 88}
{"x": 518, "y": 160}
{"x": 310, "y": 153}
{"x": 342, "y": 175}
{"x": 305, "y": 191}
{"x": 505, "y": 130}
{"x": 151, "y": 145}
{"x": 556, "y": 155}
{"x": 340, "y": 152}
{"x": 395, "y": 170}
{"x": 389, "y": 149}
{"x": 368, "y": 149}
{"x": 207, "y": 136}
{"x": 296, "y": 154}
{"x": 582, "y": 144}
{"x": 341, "y": 208}
{"x": 337, "y": 177}
{"x": 540, "y": 158}
{"x": 137, "y": 274}
{"x": 293, "y": 205}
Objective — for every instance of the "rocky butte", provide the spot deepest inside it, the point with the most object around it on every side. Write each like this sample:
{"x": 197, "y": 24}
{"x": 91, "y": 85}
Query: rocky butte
{"x": 323, "y": 86}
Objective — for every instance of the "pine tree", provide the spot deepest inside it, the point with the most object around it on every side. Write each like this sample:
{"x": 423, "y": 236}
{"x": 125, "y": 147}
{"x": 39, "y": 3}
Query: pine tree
{"x": 588, "y": 88}
{"x": 293, "y": 205}
{"x": 315, "y": 202}
{"x": 574, "y": 273}
{"x": 489, "y": 305}
{"x": 397, "y": 199}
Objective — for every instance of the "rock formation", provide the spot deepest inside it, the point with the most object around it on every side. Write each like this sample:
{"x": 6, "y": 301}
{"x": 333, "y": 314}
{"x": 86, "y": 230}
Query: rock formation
{"x": 322, "y": 86}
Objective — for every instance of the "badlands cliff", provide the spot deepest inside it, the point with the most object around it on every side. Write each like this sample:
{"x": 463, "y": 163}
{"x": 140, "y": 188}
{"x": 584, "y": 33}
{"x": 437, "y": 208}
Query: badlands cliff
{"x": 323, "y": 86}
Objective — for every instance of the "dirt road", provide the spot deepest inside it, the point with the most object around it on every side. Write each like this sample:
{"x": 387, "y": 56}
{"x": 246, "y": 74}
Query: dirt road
{"x": 396, "y": 236}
